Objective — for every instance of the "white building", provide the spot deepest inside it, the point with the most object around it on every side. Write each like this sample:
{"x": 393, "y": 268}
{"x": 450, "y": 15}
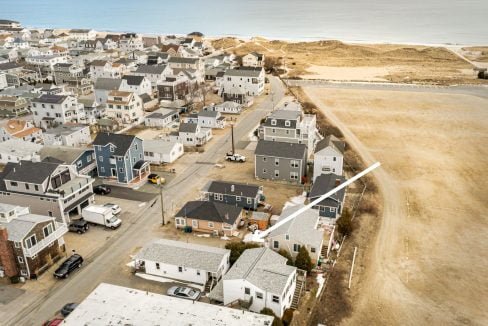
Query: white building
{"x": 16, "y": 150}
{"x": 46, "y": 60}
{"x": 191, "y": 134}
{"x": 207, "y": 119}
{"x": 68, "y": 135}
{"x": 106, "y": 69}
{"x": 82, "y": 34}
{"x": 155, "y": 73}
{"x": 137, "y": 84}
{"x": 131, "y": 44}
{"x": 124, "y": 107}
{"x": 249, "y": 81}
{"x": 116, "y": 305}
{"x": 261, "y": 278}
{"x": 253, "y": 59}
{"x": 20, "y": 129}
{"x": 226, "y": 107}
{"x": 157, "y": 151}
{"x": 328, "y": 157}
{"x": 103, "y": 86}
{"x": 161, "y": 118}
{"x": 187, "y": 262}
{"x": 50, "y": 110}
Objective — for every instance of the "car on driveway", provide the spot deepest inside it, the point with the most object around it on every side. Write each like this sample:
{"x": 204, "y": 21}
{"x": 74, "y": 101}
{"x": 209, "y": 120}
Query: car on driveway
{"x": 115, "y": 208}
{"x": 102, "y": 190}
{"x": 155, "y": 179}
{"x": 68, "y": 308}
{"x": 234, "y": 157}
{"x": 79, "y": 226}
{"x": 68, "y": 266}
{"x": 184, "y": 292}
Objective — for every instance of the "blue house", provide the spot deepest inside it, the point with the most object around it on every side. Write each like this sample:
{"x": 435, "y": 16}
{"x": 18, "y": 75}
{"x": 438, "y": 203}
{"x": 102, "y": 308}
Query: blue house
{"x": 120, "y": 157}
{"x": 246, "y": 196}
{"x": 82, "y": 158}
{"x": 332, "y": 206}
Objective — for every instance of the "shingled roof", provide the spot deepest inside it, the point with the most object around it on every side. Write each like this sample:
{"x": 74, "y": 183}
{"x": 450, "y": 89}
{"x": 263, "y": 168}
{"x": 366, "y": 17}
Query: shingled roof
{"x": 281, "y": 149}
{"x": 210, "y": 211}
{"x": 121, "y": 142}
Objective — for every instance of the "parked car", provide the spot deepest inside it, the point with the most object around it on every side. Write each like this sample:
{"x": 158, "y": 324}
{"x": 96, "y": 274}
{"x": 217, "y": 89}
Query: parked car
{"x": 184, "y": 292}
{"x": 153, "y": 178}
{"x": 68, "y": 266}
{"x": 54, "y": 322}
{"x": 102, "y": 190}
{"x": 235, "y": 157}
{"x": 68, "y": 308}
{"x": 79, "y": 226}
{"x": 115, "y": 208}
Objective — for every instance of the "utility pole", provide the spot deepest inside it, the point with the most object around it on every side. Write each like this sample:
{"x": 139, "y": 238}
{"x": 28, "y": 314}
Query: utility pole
{"x": 162, "y": 201}
{"x": 232, "y": 136}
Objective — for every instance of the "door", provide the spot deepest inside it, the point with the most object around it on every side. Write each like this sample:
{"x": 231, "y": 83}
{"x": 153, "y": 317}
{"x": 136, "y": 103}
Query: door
{"x": 114, "y": 172}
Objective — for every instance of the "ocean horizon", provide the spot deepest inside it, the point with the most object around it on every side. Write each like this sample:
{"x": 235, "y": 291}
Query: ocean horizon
{"x": 432, "y": 22}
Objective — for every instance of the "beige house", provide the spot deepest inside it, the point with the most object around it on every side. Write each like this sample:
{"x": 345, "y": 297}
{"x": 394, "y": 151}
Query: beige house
{"x": 209, "y": 217}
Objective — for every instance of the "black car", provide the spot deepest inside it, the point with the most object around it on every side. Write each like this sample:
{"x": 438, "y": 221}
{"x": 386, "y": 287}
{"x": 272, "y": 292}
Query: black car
{"x": 68, "y": 308}
{"x": 68, "y": 266}
{"x": 79, "y": 226}
{"x": 101, "y": 190}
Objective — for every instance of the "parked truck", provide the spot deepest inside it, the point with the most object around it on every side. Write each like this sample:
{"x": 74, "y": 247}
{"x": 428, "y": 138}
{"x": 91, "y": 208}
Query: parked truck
{"x": 101, "y": 215}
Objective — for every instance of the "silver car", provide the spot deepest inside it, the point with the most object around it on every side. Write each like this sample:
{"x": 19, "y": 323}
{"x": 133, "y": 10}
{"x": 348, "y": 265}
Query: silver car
{"x": 115, "y": 208}
{"x": 184, "y": 292}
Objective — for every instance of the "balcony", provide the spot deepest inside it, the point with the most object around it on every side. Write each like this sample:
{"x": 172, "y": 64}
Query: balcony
{"x": 61, "y": 229}
{"x": 73, "y": 186}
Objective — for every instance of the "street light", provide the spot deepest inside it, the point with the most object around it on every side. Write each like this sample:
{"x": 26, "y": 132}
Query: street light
{"x": 162, "y": 200}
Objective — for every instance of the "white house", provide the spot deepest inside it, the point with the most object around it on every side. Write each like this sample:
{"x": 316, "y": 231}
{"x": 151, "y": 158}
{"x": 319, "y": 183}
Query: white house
{"x": 155, "y": 73}
{"x": 50, "y": 110}
{"x": 182, "y": 261}
{"x": 226, "y": 107}
{"x": 157, "y": 151}
{"x": 328, "y": 157}
{"x": 68, "y": 135}
{"x": 249, "y": 81}
{"x": 137, "y": 84}
{"x": 161, "y": 118}
{"x": 106, "y": 69}
{"x": 207, "y": 119}
{"x": 20, "y": 129}
{"x": 130, "y": 44}
{"x": 82, "y": 34}
{"x": 103, "y": 86}
{"x": 261, "y": 278}
{"x": 46, "y": 60}
{"x": 124, "y": 107}
{"x": 191, "y": 134}
{"x": 16, "y": 150}
{"x": 253, "y": 59}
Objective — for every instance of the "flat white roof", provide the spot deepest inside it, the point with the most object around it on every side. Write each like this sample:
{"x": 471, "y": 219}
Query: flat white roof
{"x": 116, "y": 305}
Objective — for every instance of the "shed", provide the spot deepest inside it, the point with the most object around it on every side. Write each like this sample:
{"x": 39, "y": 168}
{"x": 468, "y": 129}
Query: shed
{"x": 261, "y": 219}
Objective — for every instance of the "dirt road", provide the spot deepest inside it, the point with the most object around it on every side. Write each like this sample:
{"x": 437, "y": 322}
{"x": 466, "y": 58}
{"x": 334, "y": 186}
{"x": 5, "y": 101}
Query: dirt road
{"x": 428, "y": 263}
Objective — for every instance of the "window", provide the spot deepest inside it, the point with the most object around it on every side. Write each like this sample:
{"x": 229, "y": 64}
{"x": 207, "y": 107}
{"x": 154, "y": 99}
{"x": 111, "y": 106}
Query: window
{"x": 210, "y": 225}
{"x": 121, "y": 170}
{"x": 79, "y": 164}
{"x": 312, "y": 249}
{"x": 287, "y": 123}
{"x": 198, "y": 272}
{"x": 273, "y": 122}
{"x": 47, "y": 230}
{"x": 259, "y": 295}
{"x": 287, "y": 236}
{"x": 194, "y": 223}
{"x": 296, "y": 247}
{"x": 332, "y": 209}
{"x": 102, "y": 169}
{"x": 277, "y": 161}
{"x": 249, "y": 200}
{"x": 247, "y": 291}
{"x": 88, "y": 158}
{"x": 36, "y": 187}
{"x": 119, "y": 159}
{"x": 100, "y": 158}
{"x": 264, "y": 170}
{"x": 20, "y": 259}
{"x": 294, "y": 175}
{"x": 31, "y": 241}
{"x": 238, "y": 198}
{"x": 277, "y": 173}
{"x": 180, "y": 269}
{"x": 218, "y": 196}
{"x": 276, "y": 299}
{"x": 276, "y": 244}
{"x": 157, "y": 266}
{"x": 334, "y": 159}
{"x": 294, "y": 163}
{"x": 273, "y": 130}
{"x": 17, "y": 244}
{"x": 50, "y": 213}
{"x": 13, "y": 183}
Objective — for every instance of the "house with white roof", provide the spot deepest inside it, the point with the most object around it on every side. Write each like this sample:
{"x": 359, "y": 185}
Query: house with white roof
{"x": 116, "y": 305}
{"x": 191, "y": 134}
{"x": 74, "y": 135}
{"x": 182, "y": 261}
{"x": 259, "y": 279}
{"x": 161, "y": 118}
{"x": 15, "y": 150}
{"x": 158, "y": 151}
{"x": 82, "y": 34}
{"x": 228, "y": 107}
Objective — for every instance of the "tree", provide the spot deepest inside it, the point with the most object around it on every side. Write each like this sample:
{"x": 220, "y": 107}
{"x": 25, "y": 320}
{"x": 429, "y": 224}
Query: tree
{"x": 276, "y": 321}
{"x": 271, "y": 63}
{"x": 344, "y": 223}
{"x": 303, "y": 260}
{"x": 237, "y": 248}
{"x": 287, "y": 255}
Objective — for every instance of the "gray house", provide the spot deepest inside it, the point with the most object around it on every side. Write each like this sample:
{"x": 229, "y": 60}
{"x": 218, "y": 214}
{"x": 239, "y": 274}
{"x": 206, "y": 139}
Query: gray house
{"x": 280, "y": 161}
{"x": 246, "y": 196}
{"x": 330, "y": 207}
{"x": 120, "y": 157}
{"x": 82, "y": 158}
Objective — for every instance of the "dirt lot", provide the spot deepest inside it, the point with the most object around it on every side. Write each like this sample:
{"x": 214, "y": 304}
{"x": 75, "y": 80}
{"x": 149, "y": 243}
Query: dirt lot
{"x": 428, "y": 263}
{"x": 397, "y": 63}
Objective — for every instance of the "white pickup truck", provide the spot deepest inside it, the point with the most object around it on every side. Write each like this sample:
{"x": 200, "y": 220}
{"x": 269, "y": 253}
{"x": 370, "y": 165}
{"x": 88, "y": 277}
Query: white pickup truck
{"x": 235, "y": 157}
{"x": 101, "y": 215}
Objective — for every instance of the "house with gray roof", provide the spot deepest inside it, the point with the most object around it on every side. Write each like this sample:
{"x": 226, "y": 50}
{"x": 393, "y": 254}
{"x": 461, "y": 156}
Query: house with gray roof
{"x": 331, "y": 207}
{"x": 280, "y": 161}
{"x": 261, "y": 278}
{"x": 302, "y": 231}
{"x": 83, "y": 159}
{"x": 249, "y": 82}
{"x": 161, "y": 118}
{"x": 73, "y": 135}
{"x": 103, "y": 86}
{"x": 154, "y": 73}
{"x": 182, "y": 261}
{"x": 328, "y": 156}
{"x": 159, "y": 151}
{"x": 191, "y": 134}
{"x": 207, "y": 119}
{"x": 15, "y": 150}
{"x": 253, "y": 59}
{"x": 209, "y": 217}
{"x": 242, "y": 195}
{"x": 29, "y": 243}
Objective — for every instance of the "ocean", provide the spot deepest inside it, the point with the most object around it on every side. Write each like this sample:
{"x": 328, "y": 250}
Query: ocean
{"x": 396, "y": 21}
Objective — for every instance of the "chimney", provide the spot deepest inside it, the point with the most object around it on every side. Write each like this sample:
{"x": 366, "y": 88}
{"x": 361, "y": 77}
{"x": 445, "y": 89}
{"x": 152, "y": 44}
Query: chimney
{"x": 337, "y": 182}
{"x": 7, "y": 257}
{"x": 226, "y": 216}
{"x": 232, "y": 188}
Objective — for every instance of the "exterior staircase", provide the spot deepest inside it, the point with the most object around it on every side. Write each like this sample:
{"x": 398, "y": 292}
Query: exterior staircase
{"x": 301, "y": 279}
{"x": 209, "y": 285}
{"x": 323, "y": 251}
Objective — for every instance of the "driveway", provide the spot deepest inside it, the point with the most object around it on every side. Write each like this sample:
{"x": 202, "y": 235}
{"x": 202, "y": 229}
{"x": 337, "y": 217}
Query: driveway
{"x": 129, "y": 194}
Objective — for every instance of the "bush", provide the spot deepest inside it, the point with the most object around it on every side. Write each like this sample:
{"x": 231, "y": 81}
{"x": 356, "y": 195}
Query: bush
{"x": 344, "y": 223}
{"x": 237, "y": 248}
{"x": 303, "y": 260}
{"x": 276, "y": 321}
{"x": 368, "y": 207}
{"x": 287, "y": 317}
{"x": 15, "y": 279}
{"x": 287, "y": 255}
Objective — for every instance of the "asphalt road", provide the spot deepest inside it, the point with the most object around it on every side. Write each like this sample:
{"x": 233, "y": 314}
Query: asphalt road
{"x": 106, "y": 264}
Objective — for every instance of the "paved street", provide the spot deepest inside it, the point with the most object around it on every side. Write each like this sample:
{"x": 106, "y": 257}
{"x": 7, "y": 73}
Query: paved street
{"x": 111, "y": 258}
